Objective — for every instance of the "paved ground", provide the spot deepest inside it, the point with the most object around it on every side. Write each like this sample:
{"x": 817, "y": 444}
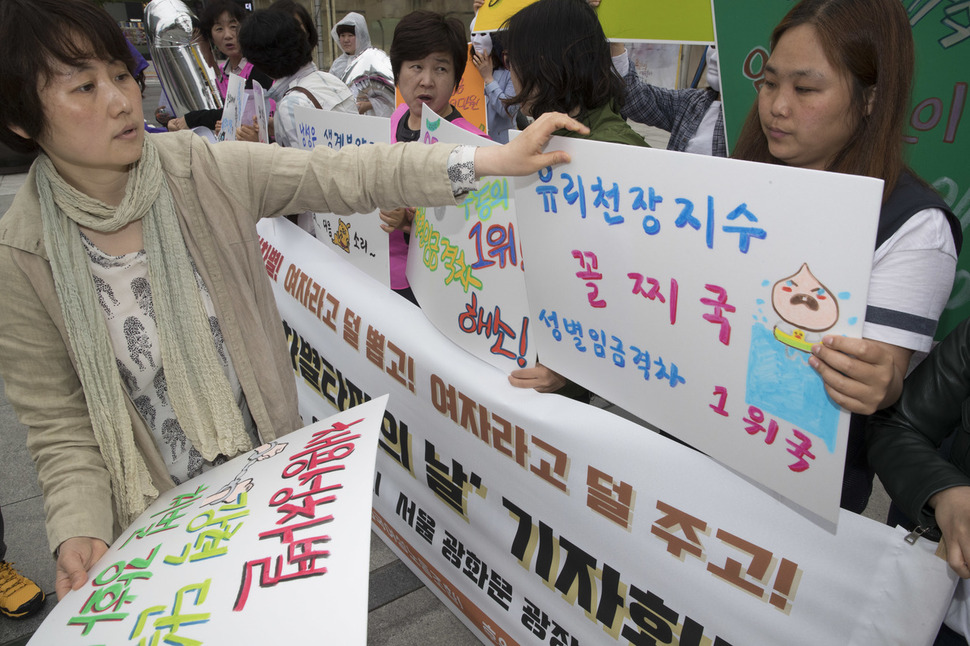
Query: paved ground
{"x": 402, "y": 611}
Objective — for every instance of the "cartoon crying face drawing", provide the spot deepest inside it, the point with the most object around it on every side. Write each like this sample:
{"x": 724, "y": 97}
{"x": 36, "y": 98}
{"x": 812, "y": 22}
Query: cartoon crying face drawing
{"x": 802, "y": 301}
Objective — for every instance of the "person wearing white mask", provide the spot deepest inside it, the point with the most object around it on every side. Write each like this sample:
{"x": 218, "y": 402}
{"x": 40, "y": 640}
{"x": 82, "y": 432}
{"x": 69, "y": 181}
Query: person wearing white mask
{"x": 692, "y": 116}
{"x": 489, "y": 57}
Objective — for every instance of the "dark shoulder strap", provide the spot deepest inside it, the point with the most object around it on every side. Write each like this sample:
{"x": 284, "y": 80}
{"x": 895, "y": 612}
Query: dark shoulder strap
{"x": 908, "y": 198}
{"x": 307, "y": 93}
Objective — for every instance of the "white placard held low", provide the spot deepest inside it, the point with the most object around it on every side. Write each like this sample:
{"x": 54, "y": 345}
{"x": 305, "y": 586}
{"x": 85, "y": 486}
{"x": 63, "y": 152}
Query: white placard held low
{"x": 214, "y": 560}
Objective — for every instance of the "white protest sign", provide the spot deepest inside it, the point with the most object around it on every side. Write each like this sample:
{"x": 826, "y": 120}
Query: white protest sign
{"x": 359, "y": 236}
{"x": 465, "y": 264}
{"x": 688, "y": 290}
{"x": 262, "y": 112}
{"x": 541, "y": 520}
{"x": 235, "y": 106}
{"x": 215, "y": 560}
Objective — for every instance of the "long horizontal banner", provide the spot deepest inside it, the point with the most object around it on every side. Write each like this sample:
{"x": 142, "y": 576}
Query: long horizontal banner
{"x": 540, "y": 520}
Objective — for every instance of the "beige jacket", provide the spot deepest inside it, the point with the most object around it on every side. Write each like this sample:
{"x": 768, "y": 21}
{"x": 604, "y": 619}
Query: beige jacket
{"x": 220, "y": 192}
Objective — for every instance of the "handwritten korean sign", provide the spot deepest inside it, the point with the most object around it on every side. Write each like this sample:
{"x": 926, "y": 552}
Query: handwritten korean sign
{"x": 212, "y": 561}
{"x": 359, "y": 236}
{"x": 465, "y": 265}
{"x": 677, "y": 286}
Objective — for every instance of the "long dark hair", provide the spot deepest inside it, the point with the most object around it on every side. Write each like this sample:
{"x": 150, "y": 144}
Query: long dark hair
{"x": 560, "y": 56}
{"x": 871, "y": 42}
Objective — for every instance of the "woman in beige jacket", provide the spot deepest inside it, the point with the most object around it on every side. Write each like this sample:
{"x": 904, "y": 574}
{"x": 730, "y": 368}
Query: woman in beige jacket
{"x": 139, "y": 339}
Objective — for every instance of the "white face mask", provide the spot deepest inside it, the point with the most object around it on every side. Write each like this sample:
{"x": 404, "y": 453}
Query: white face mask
{"x": 713, "y": 73}
{"x": 482, "y": 42}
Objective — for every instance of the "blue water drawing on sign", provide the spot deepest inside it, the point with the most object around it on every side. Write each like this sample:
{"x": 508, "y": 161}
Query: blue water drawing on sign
{"x": 782, "y": 384}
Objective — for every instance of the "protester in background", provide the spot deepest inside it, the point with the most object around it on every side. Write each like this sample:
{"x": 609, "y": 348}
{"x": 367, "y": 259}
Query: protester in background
{"x": 428, "y": 55}
{"x": 559, "y": 61}
{"x": 221, "y": 20}
{"x": 835, "y": 97}
{"x": 250, "y": 132}
{"x": 372, "y": 92}
{"x": 352, "y": 37}
{"x": 19, "y": 596}
{"x": 489, "y": 58}
{"x": 302, "y": 16}
{"x": 275, "y": 42}
{"x": 145, "y": 343}
{"x": 692, "y": 116}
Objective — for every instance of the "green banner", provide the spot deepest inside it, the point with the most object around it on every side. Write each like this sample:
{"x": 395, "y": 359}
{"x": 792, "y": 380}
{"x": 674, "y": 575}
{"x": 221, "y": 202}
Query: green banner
{"x": 936, "y": 146}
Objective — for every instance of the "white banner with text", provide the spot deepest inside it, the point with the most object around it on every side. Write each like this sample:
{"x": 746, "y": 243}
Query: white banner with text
{"x": 540, "y": 520}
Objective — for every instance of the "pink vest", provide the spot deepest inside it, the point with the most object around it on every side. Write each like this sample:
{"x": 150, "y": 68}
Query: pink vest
{"x": 223, "y": 83}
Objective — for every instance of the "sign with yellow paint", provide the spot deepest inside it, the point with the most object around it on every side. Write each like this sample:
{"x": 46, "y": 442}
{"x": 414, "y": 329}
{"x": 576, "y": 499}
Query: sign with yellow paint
{"x": 685, "y": 21}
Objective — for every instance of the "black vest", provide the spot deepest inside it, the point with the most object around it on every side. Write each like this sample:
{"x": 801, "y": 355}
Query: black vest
{"x": 908, "y": 198}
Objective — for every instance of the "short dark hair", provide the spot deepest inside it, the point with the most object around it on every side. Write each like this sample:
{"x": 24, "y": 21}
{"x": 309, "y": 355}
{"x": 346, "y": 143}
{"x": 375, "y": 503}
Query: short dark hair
{"x": 422, "y": 33}
{"x": 560, "y": 55}
{"x": 36, "y": 36}
{"x": 215, "y": 9}
{"x": 273, "y": 41}
{"x": 346, "y": 29}
{"x": 300, "y": 12}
